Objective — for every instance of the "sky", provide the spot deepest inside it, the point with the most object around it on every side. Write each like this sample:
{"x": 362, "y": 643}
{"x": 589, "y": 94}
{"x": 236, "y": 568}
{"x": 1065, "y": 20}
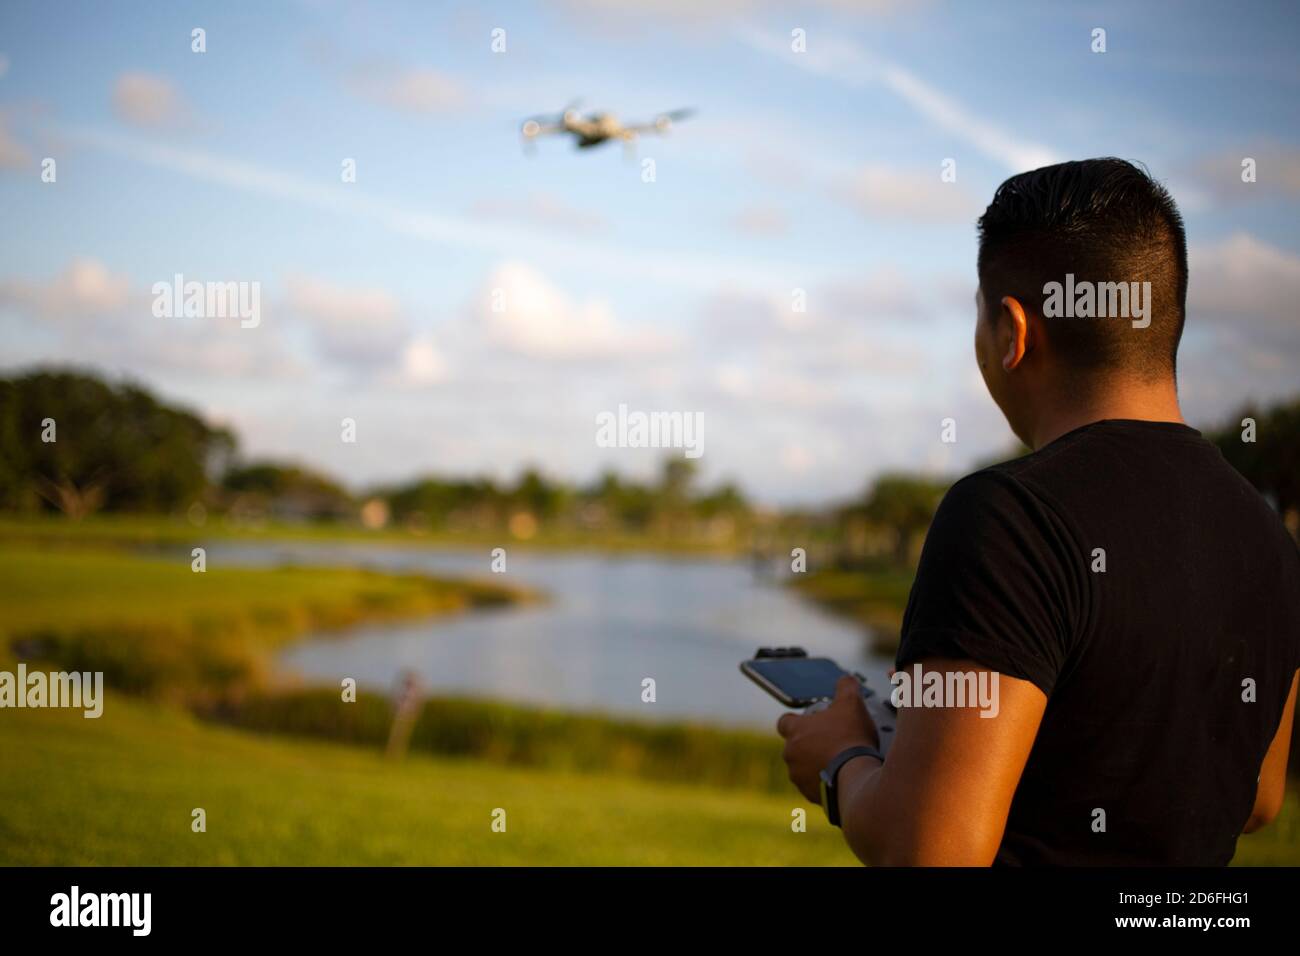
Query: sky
{"x": 474, "y": 306}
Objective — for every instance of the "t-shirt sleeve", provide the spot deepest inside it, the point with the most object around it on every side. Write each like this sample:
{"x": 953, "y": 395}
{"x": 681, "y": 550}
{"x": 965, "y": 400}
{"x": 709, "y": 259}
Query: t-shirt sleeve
{"x": 1000, "y": 583}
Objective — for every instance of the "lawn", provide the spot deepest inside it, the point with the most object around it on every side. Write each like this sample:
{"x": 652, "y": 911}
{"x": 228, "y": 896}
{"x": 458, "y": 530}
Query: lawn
{"x": 153, "y": 624}
{"x": 80, "y": 586}
{"x": 120, "y": 790}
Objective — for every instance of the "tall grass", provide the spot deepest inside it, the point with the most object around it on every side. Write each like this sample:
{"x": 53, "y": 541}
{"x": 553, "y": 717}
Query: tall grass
{"x": 525, "y": 736}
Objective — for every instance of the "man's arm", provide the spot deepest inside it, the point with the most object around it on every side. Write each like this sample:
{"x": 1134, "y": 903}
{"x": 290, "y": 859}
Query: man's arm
{"x": 997, "y": 583}
{"x": 943, "y": 795}
{"x": 1271, "y": 790}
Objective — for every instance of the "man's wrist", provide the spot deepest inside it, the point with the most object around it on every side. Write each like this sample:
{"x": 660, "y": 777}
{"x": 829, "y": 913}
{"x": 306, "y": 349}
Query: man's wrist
{"x": 830, "y": 787}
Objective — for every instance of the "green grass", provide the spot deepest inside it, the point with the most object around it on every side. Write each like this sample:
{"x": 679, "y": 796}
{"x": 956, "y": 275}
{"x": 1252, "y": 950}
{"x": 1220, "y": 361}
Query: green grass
{"x": 1277, "y": 844}
{"x": 120, "y": 790}
{"x": 116, "y": 529}
{"x": 155, "y": 627}
{"x": 41, "y": 586}
{"x": 527, "y": 736}
{"x": 153, "y": 624}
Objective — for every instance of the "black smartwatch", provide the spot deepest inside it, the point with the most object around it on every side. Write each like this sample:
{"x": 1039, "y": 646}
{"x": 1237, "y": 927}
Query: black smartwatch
{"x": 830, "y": 795}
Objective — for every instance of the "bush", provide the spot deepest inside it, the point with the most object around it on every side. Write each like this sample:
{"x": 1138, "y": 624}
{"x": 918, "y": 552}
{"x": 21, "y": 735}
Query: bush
{"x": 524, "y": 736}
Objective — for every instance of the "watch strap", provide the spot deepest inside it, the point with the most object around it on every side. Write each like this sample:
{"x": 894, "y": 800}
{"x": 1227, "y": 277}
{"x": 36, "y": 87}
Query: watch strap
{"x": 830, "y": 777}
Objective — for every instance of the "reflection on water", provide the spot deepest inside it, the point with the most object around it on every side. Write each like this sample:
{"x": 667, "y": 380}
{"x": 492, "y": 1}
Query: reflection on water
{"x": 611, "y": 621}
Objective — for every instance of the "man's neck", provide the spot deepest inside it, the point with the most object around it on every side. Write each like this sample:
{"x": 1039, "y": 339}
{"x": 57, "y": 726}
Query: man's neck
{"x": 1141, "y": 401}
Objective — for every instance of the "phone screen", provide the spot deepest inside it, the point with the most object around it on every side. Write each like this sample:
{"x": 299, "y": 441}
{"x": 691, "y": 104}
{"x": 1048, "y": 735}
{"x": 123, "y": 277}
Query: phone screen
{"x": 801, "y": 679}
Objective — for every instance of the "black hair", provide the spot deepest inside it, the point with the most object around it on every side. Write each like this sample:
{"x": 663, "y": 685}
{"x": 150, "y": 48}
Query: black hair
{"x": 1102, "y": 221}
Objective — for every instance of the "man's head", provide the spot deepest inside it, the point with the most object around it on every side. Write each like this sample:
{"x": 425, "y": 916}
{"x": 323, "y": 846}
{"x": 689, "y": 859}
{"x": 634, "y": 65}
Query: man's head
{"x": 1082, "y": 284}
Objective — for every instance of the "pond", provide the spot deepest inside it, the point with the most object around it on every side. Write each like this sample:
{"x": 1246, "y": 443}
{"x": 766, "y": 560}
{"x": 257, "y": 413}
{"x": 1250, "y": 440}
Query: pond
{"x": 610, "y": 622}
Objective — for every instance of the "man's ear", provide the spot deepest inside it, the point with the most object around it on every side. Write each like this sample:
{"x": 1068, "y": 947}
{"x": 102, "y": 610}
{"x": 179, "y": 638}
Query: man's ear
{"x": 1018, "y": 339}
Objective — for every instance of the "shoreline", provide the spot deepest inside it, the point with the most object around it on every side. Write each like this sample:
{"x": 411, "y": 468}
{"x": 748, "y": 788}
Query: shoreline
{"x": 874, "y": 599}
{"x": 136, "y": 530}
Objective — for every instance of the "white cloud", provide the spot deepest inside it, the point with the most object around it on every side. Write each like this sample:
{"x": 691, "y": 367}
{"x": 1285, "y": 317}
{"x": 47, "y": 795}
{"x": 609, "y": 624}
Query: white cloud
{"x": 1277, "y": 173}
{"x": 797, "y": 459}
{"x": 357, "y": 327}
{"x": 90, "y": 314}
{"x": 418, "y": 90}
{"x": 545, "y": 210}
{"x": 85, "y": 289}
{"x": 1242, "y": 339}
{"x": 734, "y": 381}
{"x": 422, "y": 363}
{"x": 1243, "y": 279}
{"x": 145, "y": 99}
{"x": 534, "y": 317}
{"x": 13, "y": 154}
{"x": 888, "y": 295}
{"x": 762, "y": 222}
{"x": 880, "y": 192}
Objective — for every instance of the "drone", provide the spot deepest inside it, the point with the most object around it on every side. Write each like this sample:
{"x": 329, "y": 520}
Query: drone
{"x": 595, "y": 129}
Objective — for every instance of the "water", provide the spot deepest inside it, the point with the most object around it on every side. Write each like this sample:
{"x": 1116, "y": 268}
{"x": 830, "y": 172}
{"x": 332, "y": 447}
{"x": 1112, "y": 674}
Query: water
{"x": 611, "y": 621}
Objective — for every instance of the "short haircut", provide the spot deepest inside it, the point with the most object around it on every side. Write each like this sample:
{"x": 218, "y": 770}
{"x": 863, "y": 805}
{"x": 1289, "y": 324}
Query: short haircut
{"x": 1102, "y": 221}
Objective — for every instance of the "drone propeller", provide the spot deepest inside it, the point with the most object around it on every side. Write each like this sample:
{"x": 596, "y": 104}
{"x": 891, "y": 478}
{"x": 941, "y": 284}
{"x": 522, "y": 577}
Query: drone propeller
{"x": 550, "y": 118}
{"x": 664, "y": 121}
{"x": 534, "y": 126}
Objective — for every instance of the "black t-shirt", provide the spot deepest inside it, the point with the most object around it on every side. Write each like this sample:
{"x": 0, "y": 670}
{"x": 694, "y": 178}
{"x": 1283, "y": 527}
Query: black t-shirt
{"x": 1144, "y": 664}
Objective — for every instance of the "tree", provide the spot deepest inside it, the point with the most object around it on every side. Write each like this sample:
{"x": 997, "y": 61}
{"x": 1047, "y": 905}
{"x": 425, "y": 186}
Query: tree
{"x": 287, "y": 490}
{"x": 434, "y": 501}
{"x": 677, "y": 482}
{"x": 726, "y": 499}
{"x": 906, "y": 504}
{"x": 71, "y": 442}
{"x": 537, "y": 496}
{"x": 629, "y": 505}
{"x": 1272, "y": 461}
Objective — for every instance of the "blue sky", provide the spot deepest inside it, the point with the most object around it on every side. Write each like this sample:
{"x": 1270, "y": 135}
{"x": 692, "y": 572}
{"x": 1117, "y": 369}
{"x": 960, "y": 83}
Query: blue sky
{"x": 817, "y": 171}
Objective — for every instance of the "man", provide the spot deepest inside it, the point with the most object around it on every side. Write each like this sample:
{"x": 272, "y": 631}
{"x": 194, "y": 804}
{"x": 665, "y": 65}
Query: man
{"x": 1135, "y": 600}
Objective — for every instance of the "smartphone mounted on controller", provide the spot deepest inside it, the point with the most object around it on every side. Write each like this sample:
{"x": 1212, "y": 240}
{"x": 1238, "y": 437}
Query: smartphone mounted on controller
{"x": 808, "y": 683}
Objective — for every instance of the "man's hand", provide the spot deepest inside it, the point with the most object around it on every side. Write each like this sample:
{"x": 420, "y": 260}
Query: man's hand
{"x": 811, "y": 740}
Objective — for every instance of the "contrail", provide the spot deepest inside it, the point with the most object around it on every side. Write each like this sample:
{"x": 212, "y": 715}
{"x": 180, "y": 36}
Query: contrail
{"x": 697, "y": 271}
{"x": 845, "y": 62}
